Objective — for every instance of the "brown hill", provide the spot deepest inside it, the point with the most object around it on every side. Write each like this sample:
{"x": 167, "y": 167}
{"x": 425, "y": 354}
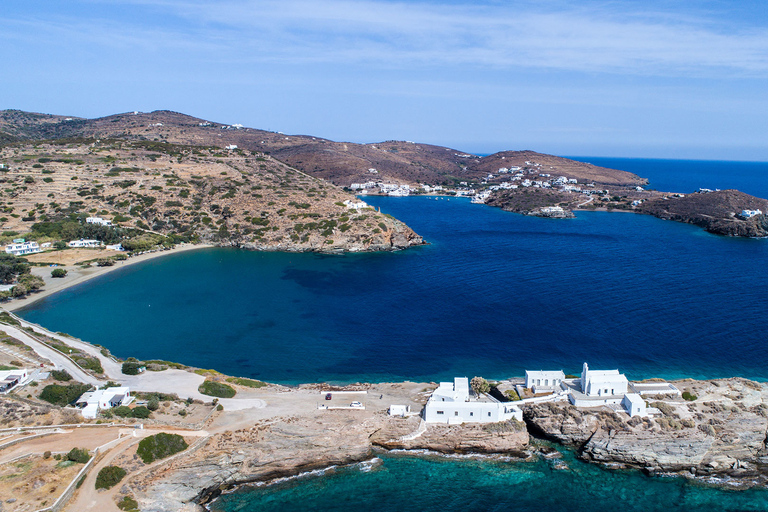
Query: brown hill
{"x": 233, "y": 197}
{"x": 341, "y": 163}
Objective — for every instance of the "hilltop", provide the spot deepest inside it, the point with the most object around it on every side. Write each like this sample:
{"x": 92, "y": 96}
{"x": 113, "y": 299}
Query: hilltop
{"x": 341, "y": 163}
{"x": 186, "y": 193}
{"x": 524, "y": 182}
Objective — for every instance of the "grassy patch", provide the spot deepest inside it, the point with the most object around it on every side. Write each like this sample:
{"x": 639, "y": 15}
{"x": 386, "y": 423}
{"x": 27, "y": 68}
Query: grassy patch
{"x": 128, "y": 504}
{"x": 250, "y": 383}
{"x": 217, "y": 389}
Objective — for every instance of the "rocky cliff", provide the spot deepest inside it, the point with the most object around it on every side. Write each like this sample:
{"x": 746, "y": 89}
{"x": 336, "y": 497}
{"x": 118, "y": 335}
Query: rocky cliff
{"x": 721, "y": 433}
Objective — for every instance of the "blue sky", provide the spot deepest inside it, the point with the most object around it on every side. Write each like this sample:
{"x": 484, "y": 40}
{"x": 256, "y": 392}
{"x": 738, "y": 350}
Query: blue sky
{"x": 658, "y": 78}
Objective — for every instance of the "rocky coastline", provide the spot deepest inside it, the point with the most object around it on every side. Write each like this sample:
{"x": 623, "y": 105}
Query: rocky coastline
{"x": 721, "y": 434}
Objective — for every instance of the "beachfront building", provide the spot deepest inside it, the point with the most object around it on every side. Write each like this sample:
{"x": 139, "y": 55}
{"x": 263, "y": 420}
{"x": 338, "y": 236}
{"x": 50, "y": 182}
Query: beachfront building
{"x": 453, "y": 403}
{"x": 543, "y": 381}
{"x": 602, "y": 382}
{"x": 98, "y": 221}
{"x": 9, "y": 379}
{"x": 84, "y": 243}
{"x": 22, "y": 248}
{"x": 101, "y": 399}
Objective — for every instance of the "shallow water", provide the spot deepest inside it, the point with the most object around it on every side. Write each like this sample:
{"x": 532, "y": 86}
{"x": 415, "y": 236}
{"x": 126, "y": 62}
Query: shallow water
{"x": 433, "y": 483}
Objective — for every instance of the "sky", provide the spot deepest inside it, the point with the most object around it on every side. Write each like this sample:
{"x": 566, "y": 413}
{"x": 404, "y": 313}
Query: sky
{"x": 653, "y": 79}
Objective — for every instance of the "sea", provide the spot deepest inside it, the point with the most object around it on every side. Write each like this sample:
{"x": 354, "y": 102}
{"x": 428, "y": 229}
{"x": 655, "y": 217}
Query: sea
{"x": 493, "y": 294}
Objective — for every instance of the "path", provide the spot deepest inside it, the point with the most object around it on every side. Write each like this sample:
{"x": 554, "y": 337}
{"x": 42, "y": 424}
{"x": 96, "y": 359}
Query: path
{"x": 181, "y": 382}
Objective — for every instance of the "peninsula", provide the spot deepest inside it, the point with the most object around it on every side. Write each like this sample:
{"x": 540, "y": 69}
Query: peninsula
{"x": 231, "y": 431}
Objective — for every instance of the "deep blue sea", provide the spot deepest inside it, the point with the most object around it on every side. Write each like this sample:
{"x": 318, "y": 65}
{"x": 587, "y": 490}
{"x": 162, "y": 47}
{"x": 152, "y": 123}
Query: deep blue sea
{"x": 493, "y": 294}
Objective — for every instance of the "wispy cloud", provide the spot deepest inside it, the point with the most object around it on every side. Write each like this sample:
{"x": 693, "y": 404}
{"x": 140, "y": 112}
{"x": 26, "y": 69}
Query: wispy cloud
{"x": 591, "y": 38}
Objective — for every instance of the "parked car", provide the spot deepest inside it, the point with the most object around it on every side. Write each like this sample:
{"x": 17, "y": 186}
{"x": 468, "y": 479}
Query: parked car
{"x": 328, "y": 396}
{"x": 357, "y": 405}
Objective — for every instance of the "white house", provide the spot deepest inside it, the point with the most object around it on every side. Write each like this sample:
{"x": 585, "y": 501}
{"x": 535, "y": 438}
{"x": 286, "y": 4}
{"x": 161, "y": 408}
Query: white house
{"x": 98, "y": 221}
{"x": 452, "y": 403}
{"x": 750, "y": 213}
{"x": 19, "y": 249}
{"x": 543, "y": 381}
{"x": 634, "y": 405}
{"x": 84, "y": 243}
{"x": 231, "y": 146}
{"x": 603, "y": 382}
{"x": 102, "y": 399}
{"x": 115, "y": 247}
{"x": 9, "y": 379}
{"x": 399, "y": 410}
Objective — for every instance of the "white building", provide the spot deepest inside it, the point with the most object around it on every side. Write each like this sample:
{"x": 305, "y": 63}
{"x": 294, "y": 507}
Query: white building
{"x": 115, "y": 247}
{"x": 399, "y": 410}
{"x": 9, "y": 379}
{"x": 231, "y": 146}
{"x": 603, "y": 382}
{"x": 98, "y": 221}
{"x": 634, "y": 405}
{"x": 543, "y": 381}
{"x": 101, "y": 399}
{"x": 452, "y": 403}
{"x": 84, "y": 243}
{"x": 750, "y": 213}
{"x": 19, "y": 249}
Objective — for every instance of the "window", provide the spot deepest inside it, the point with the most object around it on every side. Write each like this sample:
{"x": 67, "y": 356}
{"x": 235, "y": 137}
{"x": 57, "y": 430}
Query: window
{"x": 455, "y": 413}
{"x": 471, "y": 414}
{"x": 489, "y": 414}
{"x": 439, "y": 412}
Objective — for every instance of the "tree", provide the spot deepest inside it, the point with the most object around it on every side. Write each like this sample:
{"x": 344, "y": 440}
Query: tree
{"x": 79, "y": 455}
{"x": 58, "y": 272}
{"x": 479, "y": 385}
{"x": 131, "y": 368}
{"x": 60, "y": 245}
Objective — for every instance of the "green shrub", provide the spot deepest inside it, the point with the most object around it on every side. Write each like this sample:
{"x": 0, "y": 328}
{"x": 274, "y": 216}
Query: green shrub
{"x": 131, "y": 368}
{"x": 160, "y": 446}
{"x": 128, "y": 504}
{"x": 250, "y": 383}
{"x": 79, "y": 455}
{"x": 109, "y": 476}
{"x": 62, "y": 375}
{"x": 217, "y": 389}
{"x": 689, "y": 396}
{"x": 58, "y": 272}
{"x": 122, "y": 411}
{"x": 140, "y": 412}
{"x": 153, "y": 404}
{"x": 63, "y": 395}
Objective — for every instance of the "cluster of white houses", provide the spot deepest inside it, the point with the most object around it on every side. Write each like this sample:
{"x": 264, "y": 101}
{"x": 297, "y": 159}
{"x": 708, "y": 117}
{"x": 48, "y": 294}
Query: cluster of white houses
{"x": 454, "y": 402}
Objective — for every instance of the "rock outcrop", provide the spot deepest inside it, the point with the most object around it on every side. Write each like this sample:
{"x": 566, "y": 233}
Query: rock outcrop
{"x": 723, "y": 432}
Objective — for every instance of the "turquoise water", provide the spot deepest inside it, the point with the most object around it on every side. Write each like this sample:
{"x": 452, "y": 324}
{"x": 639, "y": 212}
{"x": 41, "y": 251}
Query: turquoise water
{"x": 495, "y": 293}
{"x": 432, "y": 483}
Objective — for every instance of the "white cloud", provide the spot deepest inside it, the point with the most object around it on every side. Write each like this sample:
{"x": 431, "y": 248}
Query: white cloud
{"x": 604, "y": 39}
{"x": 601, "y": 38}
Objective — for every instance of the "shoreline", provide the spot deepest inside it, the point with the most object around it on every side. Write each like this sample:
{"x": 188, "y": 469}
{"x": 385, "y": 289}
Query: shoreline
{"x": 77, "y": 275}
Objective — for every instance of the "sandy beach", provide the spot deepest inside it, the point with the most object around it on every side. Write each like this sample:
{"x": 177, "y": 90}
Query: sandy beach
{"x": 77, "y": 274}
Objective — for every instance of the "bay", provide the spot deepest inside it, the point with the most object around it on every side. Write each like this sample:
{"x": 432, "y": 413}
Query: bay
{"x": 493, "y": 294}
